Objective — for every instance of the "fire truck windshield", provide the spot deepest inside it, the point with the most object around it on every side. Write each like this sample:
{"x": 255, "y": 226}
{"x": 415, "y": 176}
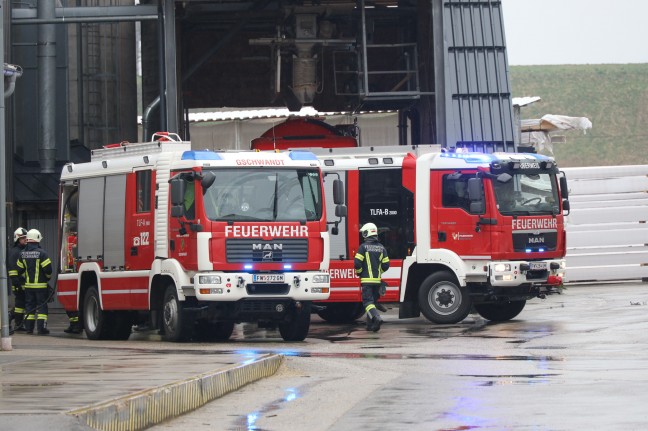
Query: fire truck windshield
{"x": 527, "y": 193}
{"x": 244, "y": 194}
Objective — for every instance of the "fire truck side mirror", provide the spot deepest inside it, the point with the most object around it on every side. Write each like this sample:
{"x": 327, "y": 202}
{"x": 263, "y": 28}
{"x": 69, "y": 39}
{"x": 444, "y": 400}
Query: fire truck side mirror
{"x": 178, "y": 187}
{"x": 566, "y": 206}
{"x": 338, "y": 192}
{"x": 340, "y": 211}
{"x": 208, "y": 179}
{"x": 477, "y": 207}
{"x": 475, "y": 189}
{"x": 564, "y": 190}
{"x": 476, "y": 196}
{"x": 177, "y": 211}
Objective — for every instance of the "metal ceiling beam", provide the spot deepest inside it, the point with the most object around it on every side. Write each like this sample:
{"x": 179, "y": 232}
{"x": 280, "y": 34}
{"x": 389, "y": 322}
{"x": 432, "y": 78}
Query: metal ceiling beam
{"x": 68, "y": 15}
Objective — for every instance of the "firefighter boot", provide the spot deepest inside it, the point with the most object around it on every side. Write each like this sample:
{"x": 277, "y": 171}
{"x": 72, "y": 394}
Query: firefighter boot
{"x": 370, "y": 324}
{"x": 19, "y": 321}
{"x": 381, "y": 307}
{"x": 74, "y": 328}
{"x": 42, "y": 330}
{"x": 29, "y": 326}
{"x": 376, "y": 320}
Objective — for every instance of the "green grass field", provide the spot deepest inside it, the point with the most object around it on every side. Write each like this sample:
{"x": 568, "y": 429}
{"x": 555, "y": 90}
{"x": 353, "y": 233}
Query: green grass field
{"x": 613, "y": 96}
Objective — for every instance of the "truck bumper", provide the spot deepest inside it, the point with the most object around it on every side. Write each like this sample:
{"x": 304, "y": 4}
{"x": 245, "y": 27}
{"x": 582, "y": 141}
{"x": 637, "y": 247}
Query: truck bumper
{"x": 298, "y": 286}
{"x": 514, "y": 273}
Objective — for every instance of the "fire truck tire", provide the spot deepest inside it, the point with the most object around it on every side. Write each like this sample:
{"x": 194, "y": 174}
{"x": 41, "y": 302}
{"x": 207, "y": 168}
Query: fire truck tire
{"x": 120, "y": 326}
{"x": 443, "y": 300}
{"x": 176, "y": 324}
{"x": 214, "y": 331}
{"x": 296, "y": 328}
{"x": 500, "y": 312}
{"x": 342, "y": 312}
{"x": 95, "y": 320}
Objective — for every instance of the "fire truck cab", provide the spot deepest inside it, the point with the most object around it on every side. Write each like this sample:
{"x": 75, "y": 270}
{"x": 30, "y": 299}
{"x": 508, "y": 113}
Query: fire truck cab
{"x": 193, "y": 241}
{"x": 463, "y": 230}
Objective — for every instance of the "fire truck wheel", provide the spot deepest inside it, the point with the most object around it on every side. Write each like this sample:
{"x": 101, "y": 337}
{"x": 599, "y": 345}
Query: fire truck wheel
{"x": 121, "y": 324}
{"x": 95, "y": 320}
{"x": 214, "y": 331}
{"x": 442, "y": 299}
{"x": 341, "y": 312}
{"x": 500, "y": 312}
{"x": 296, "y": 328}
{"x": 177, "y": 325}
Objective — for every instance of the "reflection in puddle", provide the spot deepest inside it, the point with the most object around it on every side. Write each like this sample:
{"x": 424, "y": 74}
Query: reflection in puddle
{"x": 248, "y": 422}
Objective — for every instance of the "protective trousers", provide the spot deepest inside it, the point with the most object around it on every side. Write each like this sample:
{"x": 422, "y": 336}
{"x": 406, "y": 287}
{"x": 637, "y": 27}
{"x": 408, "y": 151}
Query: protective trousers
{"x": 19, "y": 305}
{"x": 36, "y": 309}
{"x": 370, "y": 295}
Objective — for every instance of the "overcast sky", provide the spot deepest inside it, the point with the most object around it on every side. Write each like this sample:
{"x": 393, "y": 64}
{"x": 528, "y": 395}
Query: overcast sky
{"x": 576, "y": 31}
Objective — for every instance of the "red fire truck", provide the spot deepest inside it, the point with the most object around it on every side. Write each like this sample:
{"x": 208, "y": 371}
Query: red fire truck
{"x": 305, "y": 132}
{"x": 462, "y": 230}
{"x": 195, "y": 241}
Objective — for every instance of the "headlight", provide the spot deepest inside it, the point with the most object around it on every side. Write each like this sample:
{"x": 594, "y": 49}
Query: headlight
{"x": 321, "y": 278}
{"x": 502, "y": 267}
{"x": 209, "y": 279}
{"x": 320, "y": 290}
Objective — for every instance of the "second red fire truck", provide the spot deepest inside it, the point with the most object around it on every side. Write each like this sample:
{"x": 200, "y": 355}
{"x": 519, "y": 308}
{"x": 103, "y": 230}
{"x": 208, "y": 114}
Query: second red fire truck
{"x": 463, "y": 230}
{"x": 192, "y": 241}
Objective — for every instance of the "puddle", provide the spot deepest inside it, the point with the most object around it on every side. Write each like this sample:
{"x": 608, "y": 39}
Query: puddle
{"x": 249, "y": 421}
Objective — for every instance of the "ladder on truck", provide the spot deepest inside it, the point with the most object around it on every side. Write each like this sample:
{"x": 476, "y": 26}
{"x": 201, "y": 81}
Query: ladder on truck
{"x": 160, "y": 142}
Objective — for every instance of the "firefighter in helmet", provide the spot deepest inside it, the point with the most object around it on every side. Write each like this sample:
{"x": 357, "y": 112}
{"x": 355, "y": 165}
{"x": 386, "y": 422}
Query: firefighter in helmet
{"x": 17, "y": 283}
{"x": 35, "y": 265}
{"x": 370, "y": 262}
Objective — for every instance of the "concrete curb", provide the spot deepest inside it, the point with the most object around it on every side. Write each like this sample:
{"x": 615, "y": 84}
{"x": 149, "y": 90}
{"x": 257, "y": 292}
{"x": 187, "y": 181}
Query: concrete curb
{"x": 143, "y": 409}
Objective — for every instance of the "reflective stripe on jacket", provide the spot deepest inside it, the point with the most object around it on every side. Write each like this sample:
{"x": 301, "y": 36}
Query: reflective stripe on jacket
{"x": 12, "y": 269}
{"x": 371, "y": 261}
{"x": 35, "y": 265}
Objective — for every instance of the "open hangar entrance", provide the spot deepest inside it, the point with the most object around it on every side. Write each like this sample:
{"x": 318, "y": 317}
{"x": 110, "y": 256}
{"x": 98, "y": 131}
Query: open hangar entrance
{"x": 440, "y": 64}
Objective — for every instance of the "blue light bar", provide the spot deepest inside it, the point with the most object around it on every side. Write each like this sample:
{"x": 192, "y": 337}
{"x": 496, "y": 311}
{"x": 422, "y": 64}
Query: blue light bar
{"x": 302, "y": 155}
{"x": 528, "y": 250}
{"x": 475, "y": 158}
{"x": 287, "y": 266}
{"x": 200, "y": 155}
{"x": 247, "y": 266}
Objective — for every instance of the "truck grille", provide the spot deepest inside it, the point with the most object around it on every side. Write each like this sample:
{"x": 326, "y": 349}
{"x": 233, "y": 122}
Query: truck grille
{"x": 276, "y": 250}
{"x": 523, "y": 241}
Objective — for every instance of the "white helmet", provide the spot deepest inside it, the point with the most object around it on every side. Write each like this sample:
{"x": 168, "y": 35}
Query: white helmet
{"x": 34, "y": 236}
{"x": 369, "y": 229}
{"x": 21, "y": 232}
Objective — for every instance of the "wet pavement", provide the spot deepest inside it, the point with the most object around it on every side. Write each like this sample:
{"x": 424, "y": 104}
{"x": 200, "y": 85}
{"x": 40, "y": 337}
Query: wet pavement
{"x": 59, "y": 373}
{"x": 573, "y": 361}
{"x": 577, "y": 361}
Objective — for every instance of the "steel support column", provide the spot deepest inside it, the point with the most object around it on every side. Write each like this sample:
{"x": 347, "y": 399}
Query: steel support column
{"x": 171, "y": 79}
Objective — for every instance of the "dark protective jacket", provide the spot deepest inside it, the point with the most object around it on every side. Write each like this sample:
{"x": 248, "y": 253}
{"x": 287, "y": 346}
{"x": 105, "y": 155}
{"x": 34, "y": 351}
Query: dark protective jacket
{"x": 12, "y": 269}
{"x": 371, "y": 261}
{"x": 35, "y": 265}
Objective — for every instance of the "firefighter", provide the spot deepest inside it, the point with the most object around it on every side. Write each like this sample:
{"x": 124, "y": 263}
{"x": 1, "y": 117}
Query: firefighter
{"x": 370, "y": 262}
{"x": 35, "y": 265}
{"x": 17, "y": 283}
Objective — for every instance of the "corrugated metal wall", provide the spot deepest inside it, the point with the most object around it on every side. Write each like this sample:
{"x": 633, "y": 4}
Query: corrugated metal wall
{"x": 607, "y": 230}
{"x": 477, "y": 84}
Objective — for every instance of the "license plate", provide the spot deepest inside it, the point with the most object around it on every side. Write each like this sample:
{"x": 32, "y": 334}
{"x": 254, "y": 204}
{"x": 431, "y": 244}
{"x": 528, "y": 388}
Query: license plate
{"x": 535, "y": 266}
{"x": 268, "y": 278}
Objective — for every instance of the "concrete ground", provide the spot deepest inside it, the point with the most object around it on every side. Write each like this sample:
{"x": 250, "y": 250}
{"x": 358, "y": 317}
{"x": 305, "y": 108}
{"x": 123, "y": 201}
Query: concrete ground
{"x": 63, "y": 381}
